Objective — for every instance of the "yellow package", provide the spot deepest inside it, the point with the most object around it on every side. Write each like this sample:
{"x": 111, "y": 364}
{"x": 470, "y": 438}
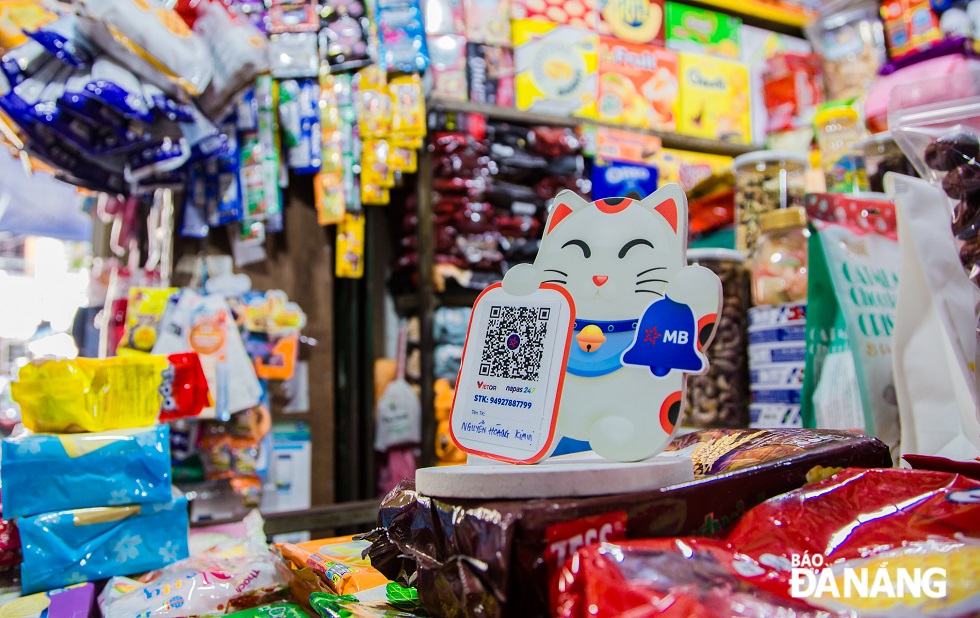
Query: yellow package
{"x": 373, "y": 103}
{"x": 404, "y": 160}
{"x": 88, "y": 394}
{"x": 556, "y": 68}
{"x": 688, "y": 168}
{"x": 350, "y": 247}
{"x": 143, "y": 313}
{"x": 338, "y": 561}
{"x": 17, "y": 16}
{"x": 407, "y": 105}
{"x": 714, "y": 99}
{"x": 330, "y": 202}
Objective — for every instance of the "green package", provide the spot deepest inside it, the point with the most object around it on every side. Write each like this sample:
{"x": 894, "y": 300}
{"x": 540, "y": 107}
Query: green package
{"x": 852, "y": 279}
{"x": 279, "y": 610}
{"x": 390, "y": 601}
{"x": 702, "y": 31}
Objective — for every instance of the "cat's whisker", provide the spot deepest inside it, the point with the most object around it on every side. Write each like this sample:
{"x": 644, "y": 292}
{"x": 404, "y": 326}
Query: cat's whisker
{"x": 651, "y": 281}
{"x": 648, "y": 292}
{"x": 555, "y": 270}
{"x": 562, "y": 282}
{"x": 650, "y": 270}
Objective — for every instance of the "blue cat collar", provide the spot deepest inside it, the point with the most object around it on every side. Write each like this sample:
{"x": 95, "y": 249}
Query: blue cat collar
{"x": 611, "y": 326}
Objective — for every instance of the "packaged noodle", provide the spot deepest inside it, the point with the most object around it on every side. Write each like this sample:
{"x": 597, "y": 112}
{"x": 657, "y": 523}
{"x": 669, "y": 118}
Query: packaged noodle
{"x": 853, "y": 287}
{"x": 338, "y": 561}
{"x": 87, "y": 394}
{"x": 152, "y": 40}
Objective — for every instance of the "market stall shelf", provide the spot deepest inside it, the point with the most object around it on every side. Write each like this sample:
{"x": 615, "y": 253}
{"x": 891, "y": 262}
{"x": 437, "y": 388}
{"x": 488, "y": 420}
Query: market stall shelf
{"x": 670, "y": 140}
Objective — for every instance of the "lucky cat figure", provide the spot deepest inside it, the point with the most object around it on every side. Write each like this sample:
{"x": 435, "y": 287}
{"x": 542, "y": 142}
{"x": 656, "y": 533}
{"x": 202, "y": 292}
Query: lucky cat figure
{"x": 616, "y": 257}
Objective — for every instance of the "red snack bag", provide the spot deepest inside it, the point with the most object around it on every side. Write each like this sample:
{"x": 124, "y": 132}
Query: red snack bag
{"x": 792, "y": 88}
{"x": 805, "y": 553}
{"x": 184, "y": 388}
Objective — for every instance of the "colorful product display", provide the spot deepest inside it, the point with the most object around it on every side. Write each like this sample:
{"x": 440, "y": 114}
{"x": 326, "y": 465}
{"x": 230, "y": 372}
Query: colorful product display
{"x": 702, "y": 31}
{"x": 714, "y": 99}
{"x": 637, "y": 85}
{"x": 556, "y": 68}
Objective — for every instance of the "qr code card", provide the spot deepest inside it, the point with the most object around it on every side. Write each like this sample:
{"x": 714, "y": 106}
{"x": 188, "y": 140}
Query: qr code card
{"x": 509, "y": 385}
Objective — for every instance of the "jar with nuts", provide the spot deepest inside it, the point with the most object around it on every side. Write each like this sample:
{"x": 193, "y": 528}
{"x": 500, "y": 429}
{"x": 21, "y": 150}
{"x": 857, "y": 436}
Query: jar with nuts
{"x": 765, "y": 181}
{"x": 720, "y": 398}
{"x": 849, "y": 36}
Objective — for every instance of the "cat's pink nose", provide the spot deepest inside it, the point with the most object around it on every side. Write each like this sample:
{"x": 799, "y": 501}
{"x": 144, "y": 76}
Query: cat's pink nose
{"x": 600, "y": 279}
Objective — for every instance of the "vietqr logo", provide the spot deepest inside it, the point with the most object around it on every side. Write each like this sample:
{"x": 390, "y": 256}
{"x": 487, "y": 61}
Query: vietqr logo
{"x": 809, "y": 578}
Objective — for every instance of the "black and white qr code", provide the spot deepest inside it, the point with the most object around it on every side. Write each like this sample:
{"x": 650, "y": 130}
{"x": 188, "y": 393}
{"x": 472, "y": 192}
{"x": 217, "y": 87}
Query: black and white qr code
{"x": 515, "y": 342}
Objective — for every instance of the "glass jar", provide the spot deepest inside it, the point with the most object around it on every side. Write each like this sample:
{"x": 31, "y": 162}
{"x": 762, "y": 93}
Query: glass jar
{"x": 779, "y": 262}
{"x": 882, "y": 154}
{"x": 850, "y": 38}
{"x": 720, "y": 398}
{"x": 839, "y": 130}
{"x": 765, "y": 180}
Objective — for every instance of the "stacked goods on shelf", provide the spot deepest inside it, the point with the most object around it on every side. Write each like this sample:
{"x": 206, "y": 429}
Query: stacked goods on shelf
{"x": 662, "y": 66}
{"x": 99, "y": 503}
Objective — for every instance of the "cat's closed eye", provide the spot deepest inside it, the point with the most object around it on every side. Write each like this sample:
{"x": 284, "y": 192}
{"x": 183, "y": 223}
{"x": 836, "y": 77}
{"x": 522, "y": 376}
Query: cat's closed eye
{"x": 634, "y": 243}
{"x": 586, "y": 251}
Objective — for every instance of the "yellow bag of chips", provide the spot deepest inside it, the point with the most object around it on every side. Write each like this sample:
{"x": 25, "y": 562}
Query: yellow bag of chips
{"x": 87, "y": 394}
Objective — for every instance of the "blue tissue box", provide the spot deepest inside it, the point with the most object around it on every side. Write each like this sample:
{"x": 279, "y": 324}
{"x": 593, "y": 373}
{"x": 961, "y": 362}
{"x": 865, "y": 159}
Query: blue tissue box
{"x": 45, "y": 473}
{"x": 71, "y": 547}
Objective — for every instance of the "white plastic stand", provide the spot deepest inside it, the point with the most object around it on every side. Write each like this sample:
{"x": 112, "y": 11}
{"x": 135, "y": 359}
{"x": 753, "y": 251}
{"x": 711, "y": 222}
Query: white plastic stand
{"x": 579, "y": 474}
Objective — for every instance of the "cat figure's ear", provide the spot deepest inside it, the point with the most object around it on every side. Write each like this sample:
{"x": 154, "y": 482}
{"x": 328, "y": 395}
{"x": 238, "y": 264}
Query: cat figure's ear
{"x": 564, "y": 204}
{"x": 670, "y": 202}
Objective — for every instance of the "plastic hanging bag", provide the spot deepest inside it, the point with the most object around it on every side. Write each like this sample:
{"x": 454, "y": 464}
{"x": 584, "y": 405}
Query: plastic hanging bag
{"x": 152, "y": 41}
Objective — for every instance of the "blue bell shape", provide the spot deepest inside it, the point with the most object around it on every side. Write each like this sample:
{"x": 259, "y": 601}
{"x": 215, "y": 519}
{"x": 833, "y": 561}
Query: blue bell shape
{"x": 666, "y": 339}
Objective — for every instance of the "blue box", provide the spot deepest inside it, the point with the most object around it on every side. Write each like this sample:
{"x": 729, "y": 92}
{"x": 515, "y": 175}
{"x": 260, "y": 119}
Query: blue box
{"x": 45, "y": 473}
{"x": 71, "y": 547}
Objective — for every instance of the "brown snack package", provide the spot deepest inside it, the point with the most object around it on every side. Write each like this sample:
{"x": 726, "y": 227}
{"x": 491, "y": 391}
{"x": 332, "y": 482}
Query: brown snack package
{"x": 476, "y": 558}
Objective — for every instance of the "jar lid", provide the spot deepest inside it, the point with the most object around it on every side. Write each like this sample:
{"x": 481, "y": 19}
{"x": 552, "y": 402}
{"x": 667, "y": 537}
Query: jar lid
{"x": 876, "y": 139}
{"x": 836, "y": 111}
{"x": 790, "y": 160}
{"x": 714, "y": 254}
{"x": 779, "y": 219}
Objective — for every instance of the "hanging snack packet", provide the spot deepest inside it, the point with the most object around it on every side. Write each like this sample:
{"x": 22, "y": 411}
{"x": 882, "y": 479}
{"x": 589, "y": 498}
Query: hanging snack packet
{"x": 143, "y": 313}
{"x": 345, "y": 35}
{"x": 239, "y": 52}
{"x": 20, "y": 16}
{"x": 184, "y": 389}
{"x": 299, "y": 114}
{"x": 151, "y": 40}
{"x": 402, "y": 37}
{"x": 62, "y": 40}
{"x": 935, "y": 329}
{"x": 853, "y": 286}
{"x": 88, "y": 394}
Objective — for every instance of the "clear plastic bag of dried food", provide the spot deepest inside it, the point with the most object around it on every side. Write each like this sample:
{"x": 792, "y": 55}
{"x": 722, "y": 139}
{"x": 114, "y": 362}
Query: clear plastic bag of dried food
{"x": 936, "y": 122}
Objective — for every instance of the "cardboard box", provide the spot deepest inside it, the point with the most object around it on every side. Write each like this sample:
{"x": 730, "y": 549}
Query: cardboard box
{"x": 633, "y": 21}
{"x": 701, "y": 31}
{"x": 577, "y": 13}
{"x": 688, "y": 168}
{"x": 487, "y": 21}
{"x": 638, "y": 85}
{"x": 448, "y": 63}
{"x": 714, "y": 99}
{"x": 556, "y": 68}
{"x": 490, "y": 74}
